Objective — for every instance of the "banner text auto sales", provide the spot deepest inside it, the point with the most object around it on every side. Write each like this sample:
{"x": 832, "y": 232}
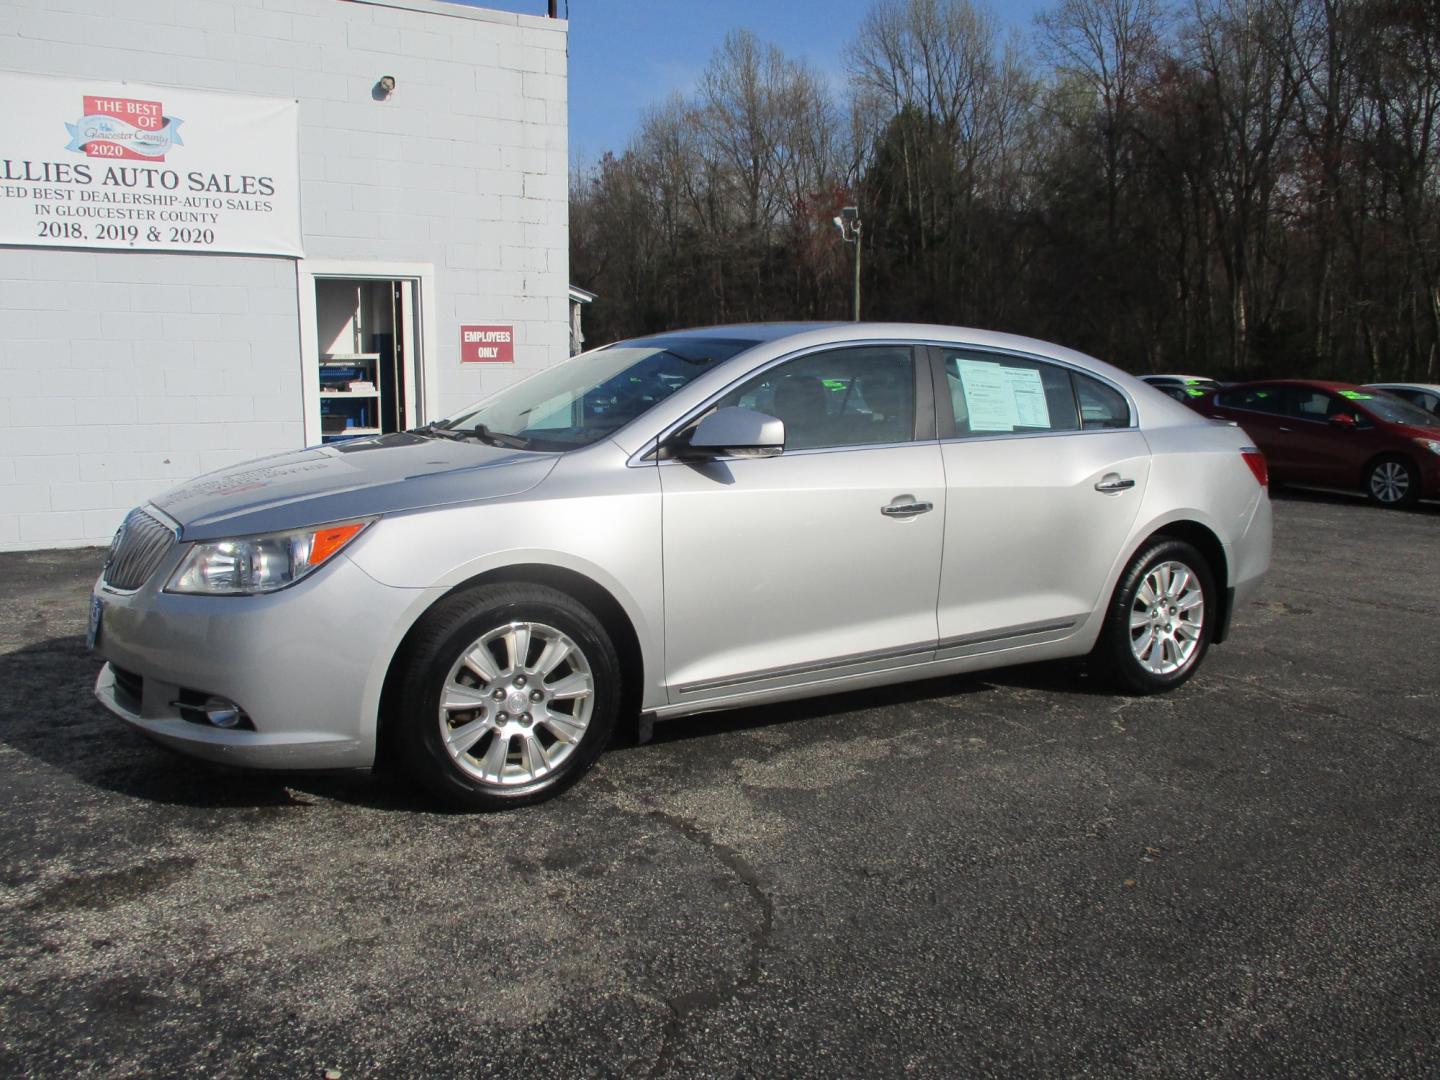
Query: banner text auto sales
{"x": 141, "y": 178}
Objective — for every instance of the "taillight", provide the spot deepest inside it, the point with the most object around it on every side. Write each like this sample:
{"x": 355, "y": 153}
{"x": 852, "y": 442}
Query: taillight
{"x": 1256, "y": 460}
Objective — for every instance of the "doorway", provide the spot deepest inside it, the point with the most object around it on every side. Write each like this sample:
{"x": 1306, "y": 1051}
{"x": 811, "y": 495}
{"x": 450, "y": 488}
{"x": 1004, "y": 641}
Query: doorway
{"x": 364, "y": 350}
{"x": 365, "y": 344}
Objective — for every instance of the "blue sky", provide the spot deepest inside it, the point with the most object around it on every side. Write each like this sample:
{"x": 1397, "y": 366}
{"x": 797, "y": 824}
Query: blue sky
{"x": 626, "y": 55}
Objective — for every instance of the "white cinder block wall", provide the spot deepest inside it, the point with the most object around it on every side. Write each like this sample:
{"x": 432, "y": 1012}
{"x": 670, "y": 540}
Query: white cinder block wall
{"x": 122, "y": 373}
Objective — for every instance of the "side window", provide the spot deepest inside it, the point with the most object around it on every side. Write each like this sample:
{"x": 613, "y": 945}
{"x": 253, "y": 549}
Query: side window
{"x": 842, "y": 397}
{"x": 1101, "y": 406}
{"x": 993, "y": 395}
{"x": 1314, "y": 405}
{"x": 1425, "y": 400}
{"x": 1264, "y": 399}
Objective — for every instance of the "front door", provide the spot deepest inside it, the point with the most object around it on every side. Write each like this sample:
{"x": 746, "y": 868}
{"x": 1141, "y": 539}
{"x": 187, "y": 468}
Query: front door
{"x": 823, "y": 560}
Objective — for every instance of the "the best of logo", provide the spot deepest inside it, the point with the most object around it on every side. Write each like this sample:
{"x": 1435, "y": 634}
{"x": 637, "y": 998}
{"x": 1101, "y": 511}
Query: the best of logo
{"x": 124, "y": 128}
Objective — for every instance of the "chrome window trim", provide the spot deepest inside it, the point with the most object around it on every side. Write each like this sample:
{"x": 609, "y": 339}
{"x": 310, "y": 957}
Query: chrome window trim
{"x": 807, "y": 451}
{"x": 998, "y": 435}
{"x": 644, "y": 456}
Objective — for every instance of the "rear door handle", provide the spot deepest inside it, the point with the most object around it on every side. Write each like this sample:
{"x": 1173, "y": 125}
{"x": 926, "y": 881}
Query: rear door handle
{"x": 1113, "y": 483}
{"x": 904, "y": 506}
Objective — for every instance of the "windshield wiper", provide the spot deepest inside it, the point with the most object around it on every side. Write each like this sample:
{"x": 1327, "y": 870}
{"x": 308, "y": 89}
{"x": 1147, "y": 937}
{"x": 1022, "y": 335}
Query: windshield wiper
{"x": 434, "y": 428}
{"x": 478, "y": 431}
{"x": 496, "y": 438}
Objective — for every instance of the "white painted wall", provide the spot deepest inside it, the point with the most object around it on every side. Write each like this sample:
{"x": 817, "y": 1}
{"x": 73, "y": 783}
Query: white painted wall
{"x": 122, "y": 373}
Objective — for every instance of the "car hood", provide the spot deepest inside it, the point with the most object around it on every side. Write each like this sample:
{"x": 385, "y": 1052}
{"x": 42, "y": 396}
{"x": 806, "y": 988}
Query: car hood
{"x": 357, "y": 478}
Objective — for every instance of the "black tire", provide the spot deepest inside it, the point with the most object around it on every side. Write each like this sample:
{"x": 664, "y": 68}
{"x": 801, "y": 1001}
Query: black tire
{"x": 1392, "y": 482}
{"x": 1115, "y": 652}
{"x": 444, "y": 636}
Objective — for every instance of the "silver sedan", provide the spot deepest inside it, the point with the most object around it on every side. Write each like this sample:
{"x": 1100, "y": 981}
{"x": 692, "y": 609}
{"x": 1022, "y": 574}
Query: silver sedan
{"x": 692, "y": 521}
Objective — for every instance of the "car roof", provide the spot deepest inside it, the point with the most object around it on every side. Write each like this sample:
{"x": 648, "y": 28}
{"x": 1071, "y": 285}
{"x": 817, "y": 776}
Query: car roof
{"x": 1434, "y": 388}
{"x": 821, "y": 333}
{"x": 756, "y": 332}
{"x": 1314, "y": 384}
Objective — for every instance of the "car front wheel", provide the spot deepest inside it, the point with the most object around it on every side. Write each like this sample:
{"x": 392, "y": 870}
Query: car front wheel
{"x": 1159, "y": 623}
{"x": 1392, "y": 482}
{"x": 509, "y": 694}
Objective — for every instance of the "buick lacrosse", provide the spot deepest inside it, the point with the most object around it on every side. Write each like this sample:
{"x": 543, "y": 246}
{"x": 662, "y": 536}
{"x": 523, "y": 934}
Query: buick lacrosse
{"x": 692, "y": 521}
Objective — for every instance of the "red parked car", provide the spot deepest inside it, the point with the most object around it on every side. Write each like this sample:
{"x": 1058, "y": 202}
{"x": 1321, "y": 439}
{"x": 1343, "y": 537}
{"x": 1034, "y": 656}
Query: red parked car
{"x": 1335, "y": 435}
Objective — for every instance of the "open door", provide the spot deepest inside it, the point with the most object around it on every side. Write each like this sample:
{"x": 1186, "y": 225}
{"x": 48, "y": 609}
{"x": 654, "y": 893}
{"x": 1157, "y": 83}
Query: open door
{"x": 366, "y": 347}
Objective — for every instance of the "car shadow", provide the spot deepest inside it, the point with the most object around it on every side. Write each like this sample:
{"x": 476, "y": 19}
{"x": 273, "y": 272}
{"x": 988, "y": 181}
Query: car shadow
{"x": 49, "y": 714}
{"x": 1331, "y": 497}
{"x": 1056, "y": 676}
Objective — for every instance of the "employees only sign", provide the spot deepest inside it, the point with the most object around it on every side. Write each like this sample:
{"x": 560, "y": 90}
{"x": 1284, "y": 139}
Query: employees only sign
{"x": 487, "y": 345}
{"x": 91, "y": 164}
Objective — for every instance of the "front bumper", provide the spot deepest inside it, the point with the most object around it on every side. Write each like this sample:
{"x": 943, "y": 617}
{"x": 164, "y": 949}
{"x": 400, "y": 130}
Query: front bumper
{"x": 306, "y": 664}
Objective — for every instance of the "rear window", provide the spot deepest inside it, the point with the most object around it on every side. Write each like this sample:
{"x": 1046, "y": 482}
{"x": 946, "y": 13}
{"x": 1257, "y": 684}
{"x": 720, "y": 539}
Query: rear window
{"x": 1101, "y": 406}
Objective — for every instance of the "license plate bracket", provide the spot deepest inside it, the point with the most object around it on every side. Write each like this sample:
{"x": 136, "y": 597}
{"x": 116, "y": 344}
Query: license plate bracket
{"x": 92, "y": 629}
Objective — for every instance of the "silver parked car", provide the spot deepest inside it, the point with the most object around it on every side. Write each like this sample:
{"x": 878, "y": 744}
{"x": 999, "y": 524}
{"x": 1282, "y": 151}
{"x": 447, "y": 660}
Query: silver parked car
{"x": 687, "y": 522}
{"x": 1425, "y": 395}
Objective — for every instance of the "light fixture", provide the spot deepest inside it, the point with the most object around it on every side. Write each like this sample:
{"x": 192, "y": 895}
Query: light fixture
{"x": 850, "y": 230}
{"x": 385, "y": 87}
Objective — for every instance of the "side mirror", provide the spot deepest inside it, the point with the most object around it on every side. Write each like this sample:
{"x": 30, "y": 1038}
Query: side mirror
{"x": 1342, "y": 420}
{"x": 737, "y": 430}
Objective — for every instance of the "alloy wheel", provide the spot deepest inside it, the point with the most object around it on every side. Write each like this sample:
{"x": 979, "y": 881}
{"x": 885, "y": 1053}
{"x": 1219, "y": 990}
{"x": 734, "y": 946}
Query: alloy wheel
{"x": 1167, "y": 618}
{"x": 1390, "y": 482}
{"x": 516, "y": 703}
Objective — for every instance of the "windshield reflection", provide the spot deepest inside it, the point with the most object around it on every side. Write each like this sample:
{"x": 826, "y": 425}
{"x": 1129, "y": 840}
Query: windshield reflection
{"x": 591, "y": 396}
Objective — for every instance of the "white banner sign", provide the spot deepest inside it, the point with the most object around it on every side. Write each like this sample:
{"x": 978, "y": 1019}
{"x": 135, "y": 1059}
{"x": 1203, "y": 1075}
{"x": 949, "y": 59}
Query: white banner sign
{"x": 147, "y": 168}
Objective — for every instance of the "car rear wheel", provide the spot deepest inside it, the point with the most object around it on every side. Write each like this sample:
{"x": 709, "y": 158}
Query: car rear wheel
{"x": 1159, "y": 623}
{"x": 1392, "y": 482}
{"x": 509, "y": 694}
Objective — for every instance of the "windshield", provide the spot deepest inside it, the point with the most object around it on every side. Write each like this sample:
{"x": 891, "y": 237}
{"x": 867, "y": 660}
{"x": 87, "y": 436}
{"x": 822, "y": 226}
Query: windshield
{"x": 1389, "y": 407}
{"x": 586, "y": 398}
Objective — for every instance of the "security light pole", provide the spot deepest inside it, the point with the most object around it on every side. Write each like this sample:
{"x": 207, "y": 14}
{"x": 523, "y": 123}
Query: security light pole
{"x": 850, "y": 231}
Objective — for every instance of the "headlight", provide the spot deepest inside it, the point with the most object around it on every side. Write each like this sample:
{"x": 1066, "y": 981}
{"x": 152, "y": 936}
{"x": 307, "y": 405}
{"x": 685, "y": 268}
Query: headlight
{"x": 260, "y": 564}
{"x": 1433, "y": 445}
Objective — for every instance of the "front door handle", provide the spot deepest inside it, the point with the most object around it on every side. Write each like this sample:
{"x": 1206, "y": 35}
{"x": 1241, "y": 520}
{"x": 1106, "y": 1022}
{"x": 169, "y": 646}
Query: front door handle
{"x": 1286, "y": 430}
{"x": 1113, "y": 483}
{"x": 905, "y": 506}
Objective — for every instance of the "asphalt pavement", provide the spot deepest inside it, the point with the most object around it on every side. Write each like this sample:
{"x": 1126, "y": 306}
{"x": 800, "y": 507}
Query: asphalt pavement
{"x": 1011, "y": 874}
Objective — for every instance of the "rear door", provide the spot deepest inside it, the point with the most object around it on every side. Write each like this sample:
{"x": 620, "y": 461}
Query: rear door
{"x": 1044, "y": 473}
{"x": 1260, "y": 409}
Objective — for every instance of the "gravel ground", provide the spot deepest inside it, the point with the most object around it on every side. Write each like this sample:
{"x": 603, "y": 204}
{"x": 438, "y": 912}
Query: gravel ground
{"x": 1007, "y": 875}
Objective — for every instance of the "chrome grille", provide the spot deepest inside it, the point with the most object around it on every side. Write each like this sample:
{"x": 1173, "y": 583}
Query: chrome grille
{"x": 137, "y": 550}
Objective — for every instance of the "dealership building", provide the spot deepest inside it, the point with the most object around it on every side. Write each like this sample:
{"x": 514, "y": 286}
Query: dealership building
{"x": 231, "y": 228}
